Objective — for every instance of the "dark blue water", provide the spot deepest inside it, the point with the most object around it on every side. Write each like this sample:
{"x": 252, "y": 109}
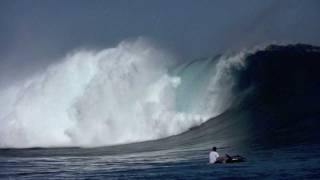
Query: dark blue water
{"x": 274, "y": 124}
{"x": 296, "y": 162}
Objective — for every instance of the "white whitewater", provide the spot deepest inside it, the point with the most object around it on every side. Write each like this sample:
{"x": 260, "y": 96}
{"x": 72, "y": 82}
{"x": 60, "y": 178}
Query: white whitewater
{"x": 96, "y": 98}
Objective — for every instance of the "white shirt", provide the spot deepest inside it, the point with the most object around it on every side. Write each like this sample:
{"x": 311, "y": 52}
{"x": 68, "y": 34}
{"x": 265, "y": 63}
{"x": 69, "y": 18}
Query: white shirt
{"x": 213, "y": 157}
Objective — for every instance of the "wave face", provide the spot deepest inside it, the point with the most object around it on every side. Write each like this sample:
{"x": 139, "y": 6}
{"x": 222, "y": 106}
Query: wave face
{"x": 134, "y": 92}
{"x": 281, "y": 86}
{"x": 272, "y": 101}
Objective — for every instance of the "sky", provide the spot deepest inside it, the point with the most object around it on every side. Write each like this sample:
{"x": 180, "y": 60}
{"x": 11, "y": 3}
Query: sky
{"x": 36, "y": 33}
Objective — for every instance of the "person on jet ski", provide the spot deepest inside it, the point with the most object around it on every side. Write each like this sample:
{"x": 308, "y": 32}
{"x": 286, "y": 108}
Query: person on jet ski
{"x": 214, "y": 157}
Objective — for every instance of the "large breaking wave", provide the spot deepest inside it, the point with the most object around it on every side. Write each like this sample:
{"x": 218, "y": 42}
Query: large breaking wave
{"x": 136, "y": 92}
{"x": 113, "y": 96}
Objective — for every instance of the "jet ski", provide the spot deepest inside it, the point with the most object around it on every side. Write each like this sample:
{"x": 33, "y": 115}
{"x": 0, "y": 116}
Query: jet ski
{"x": 231, "y": 159}
{"x": 235, "y": 159}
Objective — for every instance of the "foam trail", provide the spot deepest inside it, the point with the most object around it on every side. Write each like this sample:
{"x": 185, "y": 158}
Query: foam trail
{"x": 117, "y": 95}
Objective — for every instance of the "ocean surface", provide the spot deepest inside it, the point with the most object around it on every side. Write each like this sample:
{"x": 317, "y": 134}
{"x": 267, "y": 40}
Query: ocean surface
{"x": 262, "y": 104}
{"x": 281, "y": 163}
